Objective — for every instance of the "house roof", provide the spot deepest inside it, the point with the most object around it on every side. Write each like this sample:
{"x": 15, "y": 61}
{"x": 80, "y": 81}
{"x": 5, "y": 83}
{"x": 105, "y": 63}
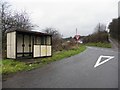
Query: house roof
{"x": 28, "y": 32}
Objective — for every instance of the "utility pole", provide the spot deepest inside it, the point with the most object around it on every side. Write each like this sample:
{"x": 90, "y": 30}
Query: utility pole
{"x": 76, "y": 31}
{"x": 77, "y": 38}
{"x": 99, "y": 28}
{"x": 76, "y": 35}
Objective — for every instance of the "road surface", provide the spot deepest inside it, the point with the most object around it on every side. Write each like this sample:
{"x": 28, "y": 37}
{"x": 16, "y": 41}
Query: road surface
{"x": 74, "y": 72}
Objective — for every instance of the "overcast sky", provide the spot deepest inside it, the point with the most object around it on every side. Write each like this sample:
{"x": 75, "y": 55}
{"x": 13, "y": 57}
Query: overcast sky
{"x": 67, "y": 15}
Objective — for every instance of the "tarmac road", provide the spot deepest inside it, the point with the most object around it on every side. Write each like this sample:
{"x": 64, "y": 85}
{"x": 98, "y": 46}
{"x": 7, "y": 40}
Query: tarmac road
{"x": 75, "y": 72}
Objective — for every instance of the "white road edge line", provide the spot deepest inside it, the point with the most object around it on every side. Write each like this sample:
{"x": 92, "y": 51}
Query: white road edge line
{"x": 98, "y": 63}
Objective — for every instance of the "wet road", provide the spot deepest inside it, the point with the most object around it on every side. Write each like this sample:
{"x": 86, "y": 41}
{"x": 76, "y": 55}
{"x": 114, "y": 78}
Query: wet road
{"x": 75, "y": 72}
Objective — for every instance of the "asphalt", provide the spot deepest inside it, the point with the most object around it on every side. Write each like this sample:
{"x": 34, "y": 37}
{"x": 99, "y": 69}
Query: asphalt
{"x": 75, "y": 72}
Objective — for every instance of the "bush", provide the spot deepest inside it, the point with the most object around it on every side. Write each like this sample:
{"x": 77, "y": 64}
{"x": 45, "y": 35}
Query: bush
{"x": 101, "y": 36}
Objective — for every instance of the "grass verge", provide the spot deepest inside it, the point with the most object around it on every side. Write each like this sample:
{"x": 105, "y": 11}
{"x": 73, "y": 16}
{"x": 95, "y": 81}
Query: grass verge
{"x": 104, "y": 45}
{"x": 13, "y": 66}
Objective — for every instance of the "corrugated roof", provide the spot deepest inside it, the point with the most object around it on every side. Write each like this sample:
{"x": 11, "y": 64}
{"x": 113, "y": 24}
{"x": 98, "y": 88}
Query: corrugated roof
{"x": 30, "y": 32}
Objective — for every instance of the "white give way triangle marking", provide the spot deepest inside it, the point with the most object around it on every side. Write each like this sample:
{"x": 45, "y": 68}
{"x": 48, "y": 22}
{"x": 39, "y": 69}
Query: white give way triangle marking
{"x": 98, "y": 63}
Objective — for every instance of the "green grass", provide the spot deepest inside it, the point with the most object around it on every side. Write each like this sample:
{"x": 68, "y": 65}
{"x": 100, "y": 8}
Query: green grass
{"x": 63, "y": 54}
{"x": 104, "y": 45}
{"x": 13, "y": 66}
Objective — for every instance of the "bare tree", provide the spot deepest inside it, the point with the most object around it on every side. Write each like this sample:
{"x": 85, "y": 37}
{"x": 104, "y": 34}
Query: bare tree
{"x": 14, "y": 21}
{"x": 100, "y": 35}
{"x": 56, "y": 38}
{"x": 21, "y": 21}
{"x": 100, "y": 28}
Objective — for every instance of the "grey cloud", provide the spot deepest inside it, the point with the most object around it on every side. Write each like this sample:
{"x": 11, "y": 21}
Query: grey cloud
{"x": 67, "y": 15}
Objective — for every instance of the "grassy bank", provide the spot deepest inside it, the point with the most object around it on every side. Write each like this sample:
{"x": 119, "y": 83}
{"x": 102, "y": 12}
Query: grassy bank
{"x": 12, "y": 66}
{"x": 103, "y": 45}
